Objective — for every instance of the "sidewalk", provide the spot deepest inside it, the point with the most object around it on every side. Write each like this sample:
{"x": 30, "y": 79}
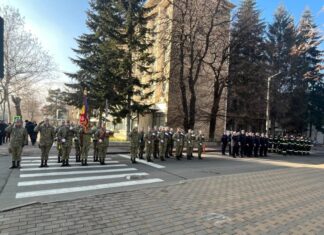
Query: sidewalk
{"x": 285, "y": 201}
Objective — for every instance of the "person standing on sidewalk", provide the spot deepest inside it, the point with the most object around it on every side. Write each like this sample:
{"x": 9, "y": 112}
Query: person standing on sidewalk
{"x": 18, "y": 139}
{"x": 47, "y": 135}
{"x": 224, "y": 141}
{"x": 65, "y": 136}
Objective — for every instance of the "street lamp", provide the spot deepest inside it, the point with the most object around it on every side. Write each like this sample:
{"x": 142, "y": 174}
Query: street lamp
{"x": 268, "y": 102}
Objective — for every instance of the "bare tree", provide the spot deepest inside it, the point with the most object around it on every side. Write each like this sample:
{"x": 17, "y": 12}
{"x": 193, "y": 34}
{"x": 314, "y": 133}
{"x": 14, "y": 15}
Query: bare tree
{"x": 25, "y": 60}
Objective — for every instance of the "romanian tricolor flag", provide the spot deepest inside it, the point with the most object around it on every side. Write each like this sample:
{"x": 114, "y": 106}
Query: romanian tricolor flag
{"x": 84, "y": 118}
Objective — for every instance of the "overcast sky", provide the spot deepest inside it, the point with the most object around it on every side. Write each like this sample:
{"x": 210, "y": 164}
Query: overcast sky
{"x": 57, "y": 22}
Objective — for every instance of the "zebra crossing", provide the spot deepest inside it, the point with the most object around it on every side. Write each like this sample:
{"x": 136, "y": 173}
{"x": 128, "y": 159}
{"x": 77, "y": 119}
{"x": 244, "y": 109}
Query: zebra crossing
{"x": 55, "y": 180}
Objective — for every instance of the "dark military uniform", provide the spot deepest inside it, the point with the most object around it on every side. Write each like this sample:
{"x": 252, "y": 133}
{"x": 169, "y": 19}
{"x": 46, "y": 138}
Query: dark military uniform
{"x": 170, "y": 144}
{"x": 256, "y": 145}
{"x": 224, "y": 141}
{"x": 156, "y": 144}
{"x": 235, "y": 145}
{"x": 177, "y": 143}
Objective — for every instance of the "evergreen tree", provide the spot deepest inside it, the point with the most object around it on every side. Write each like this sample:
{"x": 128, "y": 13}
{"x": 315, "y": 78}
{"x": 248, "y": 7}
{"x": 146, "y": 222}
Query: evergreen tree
{"x": 247, "y": 74}
{"x": 310, "y": 59}
{"x": 281, "y": 43}
{"x": 109, "y": 57}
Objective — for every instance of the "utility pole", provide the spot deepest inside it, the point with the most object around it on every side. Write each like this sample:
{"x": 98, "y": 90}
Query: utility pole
{"x": 268, "y": 102}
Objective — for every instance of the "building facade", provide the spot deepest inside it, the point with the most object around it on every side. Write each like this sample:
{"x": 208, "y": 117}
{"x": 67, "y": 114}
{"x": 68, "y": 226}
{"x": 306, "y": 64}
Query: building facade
{"x": 166, "y": 20}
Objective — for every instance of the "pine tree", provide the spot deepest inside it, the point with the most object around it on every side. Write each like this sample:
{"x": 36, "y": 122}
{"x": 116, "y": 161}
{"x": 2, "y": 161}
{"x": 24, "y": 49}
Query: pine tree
{"x": 280, "y": 45}
{"x": 247, "y": 76}
{"x": 129, "y": 31}
{"x": 310, "y": 59}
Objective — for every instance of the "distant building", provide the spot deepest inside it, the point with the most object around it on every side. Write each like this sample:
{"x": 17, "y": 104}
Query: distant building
{"x": 167, "y": 106}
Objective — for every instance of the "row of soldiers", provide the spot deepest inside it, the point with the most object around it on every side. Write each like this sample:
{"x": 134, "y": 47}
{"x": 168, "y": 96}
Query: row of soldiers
{"x": 291, "y": 145}
{"x": 258, "y": 145}
{"x": 159, "y": 143}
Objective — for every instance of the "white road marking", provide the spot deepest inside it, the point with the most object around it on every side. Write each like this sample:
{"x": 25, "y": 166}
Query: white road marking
{"x": 54, "y": 157}
{"x": 144, "y": 162}
{"x": 59, "y": 164}
{"x": 50, "y": 160}
{"x": 86, "y": 188}
{"x": 77, "y": 179}
{"x": 76, "y": 172}
{"x": 73, "y": 167}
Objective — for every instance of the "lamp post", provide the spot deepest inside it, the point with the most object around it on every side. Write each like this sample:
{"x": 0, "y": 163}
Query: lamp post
{"x": 268, "y": 101}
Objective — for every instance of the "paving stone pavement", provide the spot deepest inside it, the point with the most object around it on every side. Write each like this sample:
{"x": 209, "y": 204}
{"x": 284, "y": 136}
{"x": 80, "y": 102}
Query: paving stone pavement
{"x": 284, "y": 201}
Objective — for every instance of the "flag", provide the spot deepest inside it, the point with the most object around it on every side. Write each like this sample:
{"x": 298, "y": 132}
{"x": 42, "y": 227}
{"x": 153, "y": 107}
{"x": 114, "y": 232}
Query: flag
{"x": 84, "y": 118}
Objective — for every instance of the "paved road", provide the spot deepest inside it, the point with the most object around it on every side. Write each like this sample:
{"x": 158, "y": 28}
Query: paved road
{"x": 217, "y": 195}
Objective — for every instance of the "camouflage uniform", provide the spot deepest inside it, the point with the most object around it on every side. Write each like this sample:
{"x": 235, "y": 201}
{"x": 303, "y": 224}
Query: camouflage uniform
{"x": 85, "y": 140}
{"x": 190, "y": 143}
{"x": 65, "y": 136}
{"x": 200, "y": 142}
{"x": 95, "y": 145}
{"x": 102, "y": 138}
{"x": 58, "y": 145}
{"x": 149, "y": 142}
{"x": 177, "y": 143}
{"x": 162, "y": 144}
{"x": 141, "y": 144}
{"x": 77, "y": 143}
{"x": 47, "y": 135}
{"x": 134, "y": 143}
{"x": 18, "y": 138}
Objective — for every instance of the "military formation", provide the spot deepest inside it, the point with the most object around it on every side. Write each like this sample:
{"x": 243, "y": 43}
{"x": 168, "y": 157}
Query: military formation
{"x": 162, "y": 143}
{"x": 242, "y": 144}
{"x": 157, "y": 143}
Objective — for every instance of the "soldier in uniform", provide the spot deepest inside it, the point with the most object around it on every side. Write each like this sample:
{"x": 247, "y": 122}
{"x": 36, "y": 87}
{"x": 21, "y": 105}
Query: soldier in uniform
{"x": 102, "y": 138}
{"x": 230, "y": 135}
{"x": 47, "y": 136}
{"x": 156, "y": 143}
{"x": 18, "y": 139}
{"x": 65, "y": 136}
{"x": 170, "y": 143}
{"x": 167, "y": 138}
{"x": 177, "y": 143}
{"x": 141, "y": 144}
{"x": 149, "y": 142}
{"x": 224, "y": 141}
{"x": 270, "y": 144}
{"x": 242, "y": 143}
{"x": 85, "y": 141}
{"x": 190, "y": 143}
{"x": 182, "y": 142}
{"x": 249, "y": 144}
{"x": 134, "y": 142}
{"x": 77, "y": 143}
{"x": 200, "y": 143}
{"x": 262, "y": 145}
{"x": 95, "y": 146}
{"x": 59, "y": 144}
{"x": 162, "y": 143}
{"x": 235, "y": 144}
{"x": 256, "y": 144}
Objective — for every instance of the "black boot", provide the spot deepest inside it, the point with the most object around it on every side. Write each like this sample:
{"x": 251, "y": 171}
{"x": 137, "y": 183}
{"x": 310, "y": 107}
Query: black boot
{"x": 188, "y": 157}
{"x": 178, "y": 157}
{"x": 67, "y": 163}
{"x": 13, "y": 165}
{"x": 82, "y": 162}
{"x": 85, "y": 162}
{"x": 42, "y": 164}
{"x": 18, "y": 164}
{"x": 63, "y": 163}
{"x": 58, "y": 159}
{"x": 45, "y": 165}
